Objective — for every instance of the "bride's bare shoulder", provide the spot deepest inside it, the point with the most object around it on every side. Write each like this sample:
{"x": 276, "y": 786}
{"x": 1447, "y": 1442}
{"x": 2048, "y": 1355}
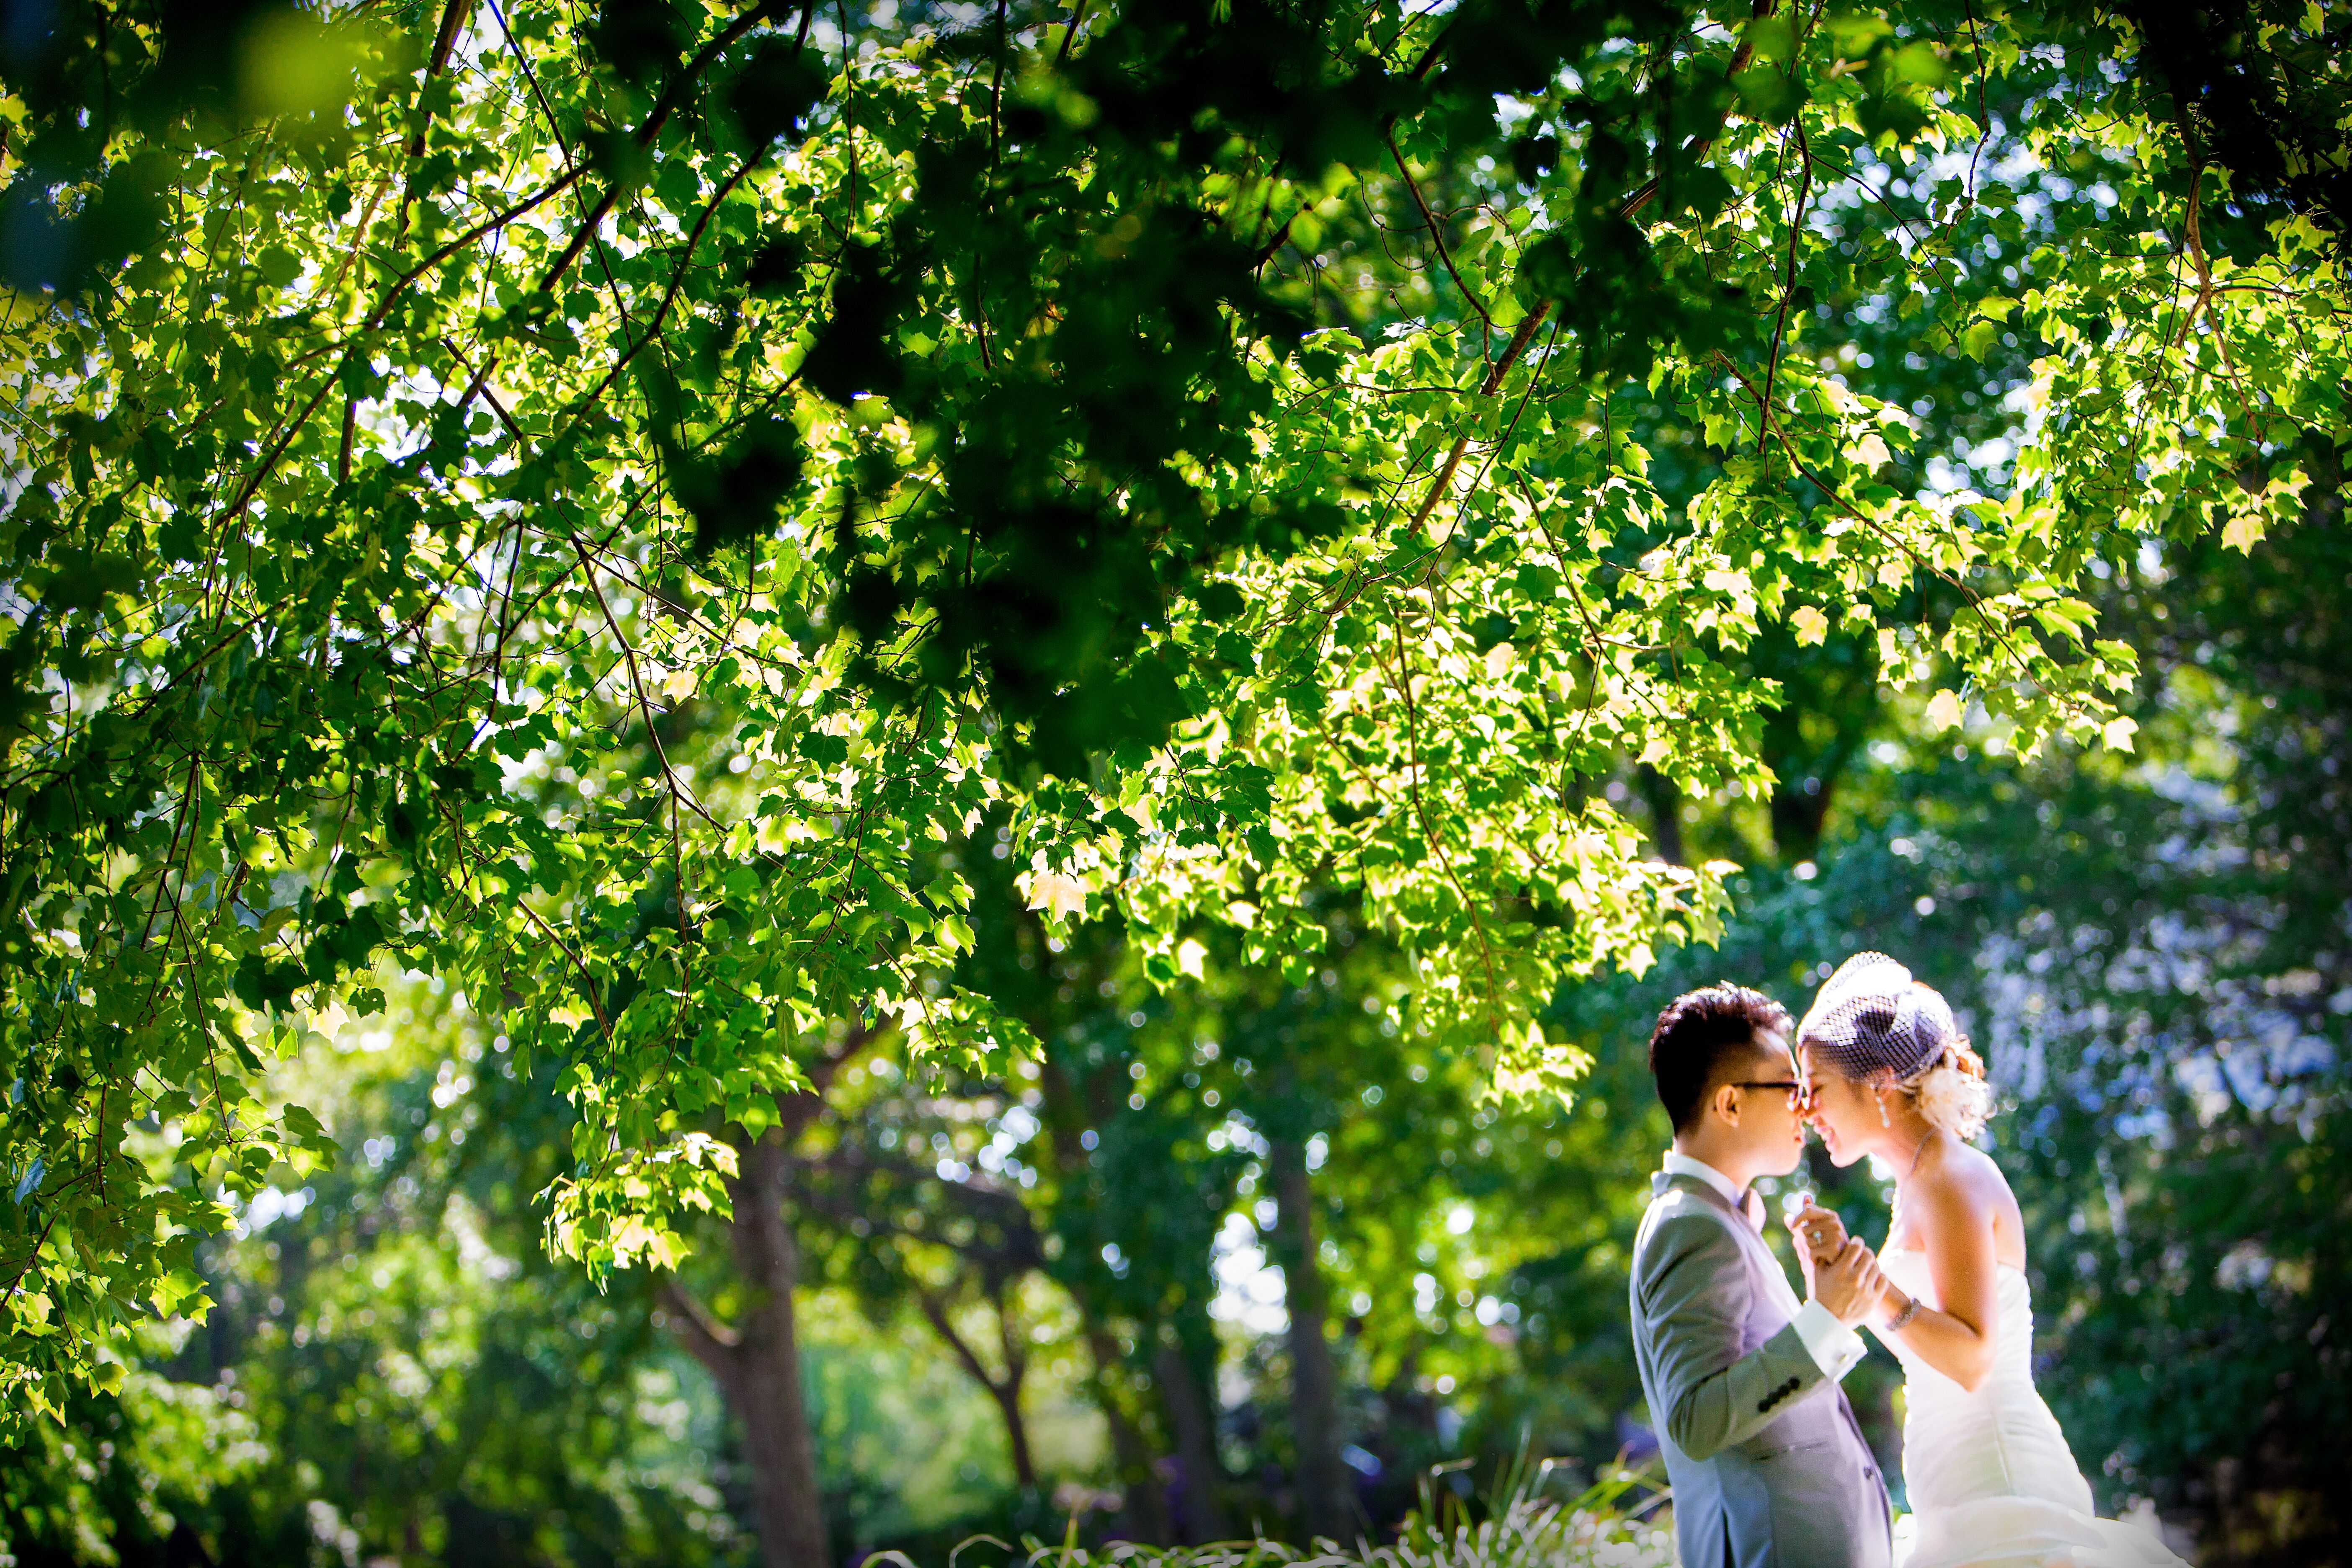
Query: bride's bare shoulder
{"x": 1960, "y": 1193}
{"x": 1955, "y": 1175}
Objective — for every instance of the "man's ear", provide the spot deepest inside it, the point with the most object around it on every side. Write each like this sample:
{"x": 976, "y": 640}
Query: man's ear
{"x": 1726, "y": 1103}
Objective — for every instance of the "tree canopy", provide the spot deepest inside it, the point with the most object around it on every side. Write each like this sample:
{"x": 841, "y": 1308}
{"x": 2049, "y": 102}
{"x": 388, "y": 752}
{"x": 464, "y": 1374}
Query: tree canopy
{"x": 599, "y": 511}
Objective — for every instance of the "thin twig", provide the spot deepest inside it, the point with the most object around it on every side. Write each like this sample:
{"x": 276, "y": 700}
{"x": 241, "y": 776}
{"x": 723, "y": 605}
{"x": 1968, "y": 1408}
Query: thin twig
{"x": 672, "y": 95}
{"x": 1788, "y": 287}
{"x": 677, "y": 282}
{"x": 676, "y": 790}
{"x": 1420, "y": 809}
{"x": 1436, "y": 234}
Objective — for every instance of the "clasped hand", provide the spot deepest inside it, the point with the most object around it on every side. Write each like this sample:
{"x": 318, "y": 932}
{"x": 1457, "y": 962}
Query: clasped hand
{"x": 1841, "y": 1272}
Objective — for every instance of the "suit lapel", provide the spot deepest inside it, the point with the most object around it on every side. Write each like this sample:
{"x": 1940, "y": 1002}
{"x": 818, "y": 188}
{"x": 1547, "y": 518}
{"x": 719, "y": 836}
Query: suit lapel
{"x": 1759, "y": 1253}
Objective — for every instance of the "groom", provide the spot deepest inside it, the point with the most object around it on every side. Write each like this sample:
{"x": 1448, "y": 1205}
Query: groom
{"x": 1767, "y": 1466}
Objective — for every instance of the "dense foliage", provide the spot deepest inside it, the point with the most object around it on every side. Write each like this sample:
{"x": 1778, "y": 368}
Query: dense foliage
{"x": 613, "y": 513}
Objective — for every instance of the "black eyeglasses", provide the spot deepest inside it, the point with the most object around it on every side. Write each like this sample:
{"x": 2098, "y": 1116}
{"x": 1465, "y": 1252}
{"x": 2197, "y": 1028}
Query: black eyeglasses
{"x": 1800, "y": 1096}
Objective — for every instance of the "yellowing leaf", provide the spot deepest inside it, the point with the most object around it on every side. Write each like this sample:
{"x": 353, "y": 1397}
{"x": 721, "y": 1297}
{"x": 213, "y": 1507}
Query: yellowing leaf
{"x": 1944, "y": 711}
{"x": 2242, "y": 530}
{"x": 1057, "y": 894}
{"x": 2117, "y": 733}
{"x": 1870, "y": 452}
{"x": 1811, "y": 625}
{"x": 1189, "y": 956}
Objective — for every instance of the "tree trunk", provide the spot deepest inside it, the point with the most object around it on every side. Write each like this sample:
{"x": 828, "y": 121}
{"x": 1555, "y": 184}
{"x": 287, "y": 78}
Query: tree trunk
{"x": 1017, "y": 1433}
{"x": 1202, "y": 1511}
{"x": 776, "y": 1418}
{"x": 1146, "y": 1507}
{"x": 1327, "y": 1502}
{"x": 757, "y": 1363}
{"x": 1011, "y": 1341}
{"x": 758, "y": 1366}
{"x": 1799, "y": 816}
{"x": 1666, "y": 805}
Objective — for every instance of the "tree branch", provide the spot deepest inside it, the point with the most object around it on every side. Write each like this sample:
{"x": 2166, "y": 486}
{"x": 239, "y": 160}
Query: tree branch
{"x": 1492, "y": 383}
{"x": 1647, "y": 191}
{"x": 673, "y": 94}
{"x": 677, "y": 282}
{"x": 712, "y": 1342}
{"x": 935, "y": 1310}
{"x": 1788, "y": 286}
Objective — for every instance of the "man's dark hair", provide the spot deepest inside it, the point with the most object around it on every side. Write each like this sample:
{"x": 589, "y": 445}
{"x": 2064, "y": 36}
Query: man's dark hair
{"x": 1697, "y": 1032}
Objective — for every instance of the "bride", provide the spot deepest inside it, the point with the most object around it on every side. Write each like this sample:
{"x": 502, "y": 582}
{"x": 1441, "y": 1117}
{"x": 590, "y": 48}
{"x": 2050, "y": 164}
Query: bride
{"x": 1992, "y": 1483}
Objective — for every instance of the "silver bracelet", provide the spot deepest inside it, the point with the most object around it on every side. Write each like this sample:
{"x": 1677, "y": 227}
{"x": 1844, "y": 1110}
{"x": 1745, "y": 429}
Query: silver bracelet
{"x": 1895, "y": 1324}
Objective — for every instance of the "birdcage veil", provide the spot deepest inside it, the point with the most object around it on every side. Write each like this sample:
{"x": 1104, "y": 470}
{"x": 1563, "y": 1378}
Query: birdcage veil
{"x": 1871, "y": 1017}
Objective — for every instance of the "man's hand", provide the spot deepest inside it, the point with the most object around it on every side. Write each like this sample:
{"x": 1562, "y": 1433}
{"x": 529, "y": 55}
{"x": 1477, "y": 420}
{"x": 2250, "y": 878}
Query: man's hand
{"x": 1849, "y": 1284}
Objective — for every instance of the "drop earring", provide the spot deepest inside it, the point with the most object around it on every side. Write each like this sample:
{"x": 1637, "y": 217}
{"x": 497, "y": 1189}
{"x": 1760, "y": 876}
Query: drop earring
{"x": 1882, "y": 1120}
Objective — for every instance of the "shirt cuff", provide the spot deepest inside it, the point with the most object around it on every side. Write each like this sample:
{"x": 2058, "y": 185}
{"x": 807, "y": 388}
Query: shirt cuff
{"x": 1833, "y": 1347}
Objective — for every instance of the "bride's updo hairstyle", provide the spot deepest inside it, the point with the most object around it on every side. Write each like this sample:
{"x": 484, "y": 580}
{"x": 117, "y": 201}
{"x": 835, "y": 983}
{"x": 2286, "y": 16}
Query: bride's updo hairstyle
{"x": 1873, "y": 1020}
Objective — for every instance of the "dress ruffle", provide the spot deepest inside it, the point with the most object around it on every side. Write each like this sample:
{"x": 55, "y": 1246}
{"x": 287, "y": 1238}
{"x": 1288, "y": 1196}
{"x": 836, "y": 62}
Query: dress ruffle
{"x": 2030, "y": 1532}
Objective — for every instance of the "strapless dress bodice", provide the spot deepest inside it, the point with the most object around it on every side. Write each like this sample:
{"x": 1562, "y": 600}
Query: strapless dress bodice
{"x": 1992, "y": 1483}
{"x": 1997, "y": 1440}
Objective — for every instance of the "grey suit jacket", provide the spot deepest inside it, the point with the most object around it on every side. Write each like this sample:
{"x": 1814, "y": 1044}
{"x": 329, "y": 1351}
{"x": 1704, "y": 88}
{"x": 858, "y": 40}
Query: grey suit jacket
{"x": 1768, "y": 1467}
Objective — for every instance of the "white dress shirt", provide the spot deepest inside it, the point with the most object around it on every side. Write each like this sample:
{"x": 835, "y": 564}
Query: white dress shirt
{"x": 1833, "y": 1347}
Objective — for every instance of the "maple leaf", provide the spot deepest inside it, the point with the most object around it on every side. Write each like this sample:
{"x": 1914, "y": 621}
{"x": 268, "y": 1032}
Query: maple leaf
{"x": 1057, "y": 894}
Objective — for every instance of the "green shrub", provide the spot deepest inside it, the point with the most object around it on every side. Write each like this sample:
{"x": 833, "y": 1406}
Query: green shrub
{"x": 1618, "y": 1522}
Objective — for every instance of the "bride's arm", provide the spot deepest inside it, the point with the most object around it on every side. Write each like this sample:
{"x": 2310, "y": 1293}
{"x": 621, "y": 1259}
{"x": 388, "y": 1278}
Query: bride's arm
{"x": 1954, "y": 1225}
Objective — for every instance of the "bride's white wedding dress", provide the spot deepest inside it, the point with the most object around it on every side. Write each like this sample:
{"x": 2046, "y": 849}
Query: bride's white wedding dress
{"x": 1992, "y": 1482}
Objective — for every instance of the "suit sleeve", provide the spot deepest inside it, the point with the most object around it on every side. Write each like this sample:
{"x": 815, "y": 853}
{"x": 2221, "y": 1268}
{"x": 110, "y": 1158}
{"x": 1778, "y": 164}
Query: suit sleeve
{"x": 1695, "y": 1295}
